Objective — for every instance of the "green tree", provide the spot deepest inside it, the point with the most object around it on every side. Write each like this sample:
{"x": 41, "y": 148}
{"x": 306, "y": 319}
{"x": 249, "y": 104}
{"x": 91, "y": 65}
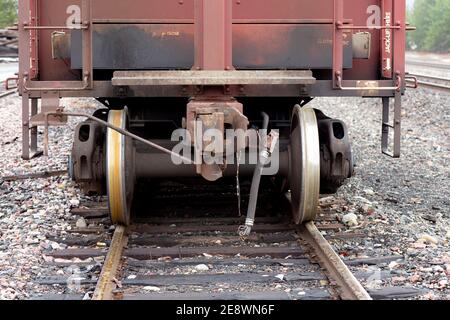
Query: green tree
{"x": 438, "y": 33}
{"x": 432, "y": 19}
{"x": 8, "y": 13}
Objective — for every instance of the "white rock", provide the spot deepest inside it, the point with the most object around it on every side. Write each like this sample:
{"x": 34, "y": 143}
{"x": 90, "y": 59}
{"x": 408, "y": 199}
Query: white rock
{"x": 350, "y": 220}
{"x": 426, "y": 238}
{"x": 81, "y": 223}
{"x": 152, "y": 289}
{"x": 202, "y": 267}
{"x": 131, "y": 277}
{"x": 55, "y": 246}
{"x": 448, "y": 234}
{"x": 393, "y": 265}
{"x": 438, "y": 269}
{"x": 74, "y": 202}
{"x": 443, "y": 283}
{"x": 369, "y": 192}
{"x": 280, "y": 276}
{"x": 48, "y": 259}
{"x": 87, "y": 296}
{"x": 207, "y": 255}
{"x": 62, "y": 261}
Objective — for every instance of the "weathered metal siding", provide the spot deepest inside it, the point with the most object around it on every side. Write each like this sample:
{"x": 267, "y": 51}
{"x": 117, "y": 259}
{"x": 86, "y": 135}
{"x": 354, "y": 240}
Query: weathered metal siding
{"x": 138, "y": 46}
{"x": 171, "y": 46}
{"x": 54, "y": 12}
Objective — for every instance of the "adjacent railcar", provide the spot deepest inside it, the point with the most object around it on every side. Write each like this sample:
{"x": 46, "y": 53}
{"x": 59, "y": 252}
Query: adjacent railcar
{"x": 195, "y": 70}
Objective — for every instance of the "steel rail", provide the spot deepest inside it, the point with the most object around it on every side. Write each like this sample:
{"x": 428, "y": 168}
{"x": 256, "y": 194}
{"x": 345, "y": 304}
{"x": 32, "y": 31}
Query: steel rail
{"x": 107, "y": 281}
{"x": 348, "y": 286}
{"x": 7, "y": 93}
{"x": 430, "y": 77}
{"x": 424, "y": 81}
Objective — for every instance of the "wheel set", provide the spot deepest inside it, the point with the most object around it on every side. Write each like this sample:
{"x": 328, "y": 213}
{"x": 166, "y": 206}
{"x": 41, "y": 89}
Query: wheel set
{"x": 109, "y": 158}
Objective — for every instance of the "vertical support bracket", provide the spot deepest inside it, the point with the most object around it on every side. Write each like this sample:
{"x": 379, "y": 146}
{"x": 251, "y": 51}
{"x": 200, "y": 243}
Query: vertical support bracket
{"x": 213, "y": 35}
{"x": 400, "y": 39}
{"x": 338, "y": 42}
{"x": 396, "y": 126}
{"x": 24, "y": 42}
{"x": 34, "y": 39}
{"x": 387, "y": 39}
{"x": 26, "y": 155}
{"x": 34, "y": 130}
{"x": 86, "y": 17}
{"x": 397, "y": 43}
{"x": 24, "y": 69}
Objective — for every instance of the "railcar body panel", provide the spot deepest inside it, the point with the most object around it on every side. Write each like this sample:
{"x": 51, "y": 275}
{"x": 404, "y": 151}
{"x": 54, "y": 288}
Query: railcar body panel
{"x": 157, "y": 34}
{"x": 171, "y": 46}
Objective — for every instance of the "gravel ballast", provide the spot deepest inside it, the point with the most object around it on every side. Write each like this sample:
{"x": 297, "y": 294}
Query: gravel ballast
{"x": 402, "y": 204}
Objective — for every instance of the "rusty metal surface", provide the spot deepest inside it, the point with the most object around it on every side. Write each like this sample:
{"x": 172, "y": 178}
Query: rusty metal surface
{"x": 287, "y": 46}
{"x": 203, "y": 114}
{"x": 138, "y": 46}
{"x": 348, "y": 286}
{"x": 213, "y": 35}
{"x": 361, "y": 45}
{"x": 49, "y": 103}
{"x": 171, "y": 46}
{"x": 61, "y": 45}
{"x": 248, "y": 11}
{"x": 337, "y": 162}
{"x": 211, "y": 78}
{"x": 87, "y": 157}
{"x": 321, "y": 88}
{"x": 107, "y": 280}
{"x": 396, "y": 125}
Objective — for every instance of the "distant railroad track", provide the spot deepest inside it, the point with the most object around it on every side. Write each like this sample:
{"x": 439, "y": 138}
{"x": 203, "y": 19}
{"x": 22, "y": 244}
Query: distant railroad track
{"x": 4, "y": 93}
{"x": 432, "y": 82}
{"x": 7, "y": 93}
{"x": 433, "y": 65}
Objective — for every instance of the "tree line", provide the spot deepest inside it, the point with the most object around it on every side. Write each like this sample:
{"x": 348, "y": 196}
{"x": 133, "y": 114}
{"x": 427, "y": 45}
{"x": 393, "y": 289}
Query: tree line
{"x": 8, "y": 13}
{"x": 432, "y": 19}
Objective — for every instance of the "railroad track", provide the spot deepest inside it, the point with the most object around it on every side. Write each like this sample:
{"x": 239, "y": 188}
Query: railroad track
{"x": 346, "y": 285}
{"x": 432, "y": 82}
{"x": 5, "y": 93}
{"x": 432, "y": 65}
{"x": 201, "y": 257}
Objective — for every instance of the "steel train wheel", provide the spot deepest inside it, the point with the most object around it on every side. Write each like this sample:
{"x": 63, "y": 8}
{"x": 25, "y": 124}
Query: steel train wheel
{"x": 304, "y": 167}
{"x": 120, "y": 176}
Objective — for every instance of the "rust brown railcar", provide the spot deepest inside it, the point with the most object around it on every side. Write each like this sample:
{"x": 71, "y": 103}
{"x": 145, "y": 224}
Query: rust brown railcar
{"x": 219, "y": 72}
